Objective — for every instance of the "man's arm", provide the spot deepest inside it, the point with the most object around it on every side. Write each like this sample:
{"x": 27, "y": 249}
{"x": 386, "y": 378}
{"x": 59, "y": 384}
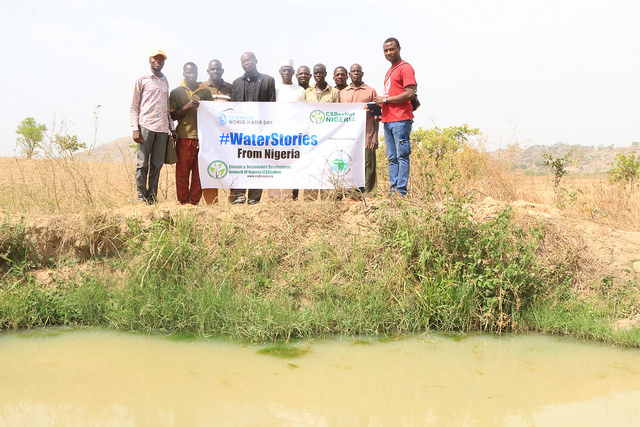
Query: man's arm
{"x": 272, "y": 90}
{"x": 238, "y": 90}
{"x": 407, "y": 95}
{"x": 172, "y": 126}
{"x": 134, "y": 112}
{"x": 179, "y": 113}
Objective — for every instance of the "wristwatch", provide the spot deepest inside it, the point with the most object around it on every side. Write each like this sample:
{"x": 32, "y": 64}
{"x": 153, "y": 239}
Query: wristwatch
{"x": 384, "y": 100}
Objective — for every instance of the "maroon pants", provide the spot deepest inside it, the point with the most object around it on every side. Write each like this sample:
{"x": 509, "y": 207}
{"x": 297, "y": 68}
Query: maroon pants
{"x": 187, "y": 151}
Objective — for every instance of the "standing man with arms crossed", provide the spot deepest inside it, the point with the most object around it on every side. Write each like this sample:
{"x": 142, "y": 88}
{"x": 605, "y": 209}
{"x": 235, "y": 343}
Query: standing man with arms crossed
{"x": 151, "y": 125}
{"x": 183, "y": 103}
{"x": 303, "y": 76}
{"x": 340, "y": 77}
{"x": 397, "y": 115}
{"x": 221, "y": 91}
{"x": 251, "y": 87}
{"x": 358, "y": 91}
{"x": 320, "y": 91}
{"x": 286, "y": 91}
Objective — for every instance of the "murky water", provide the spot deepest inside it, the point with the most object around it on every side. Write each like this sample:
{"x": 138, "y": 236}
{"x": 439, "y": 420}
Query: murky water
{"x": 100, "y": 378}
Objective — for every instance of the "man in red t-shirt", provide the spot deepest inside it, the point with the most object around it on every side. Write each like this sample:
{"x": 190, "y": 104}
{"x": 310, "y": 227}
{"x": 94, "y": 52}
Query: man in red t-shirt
{"x": 397, "y": 115}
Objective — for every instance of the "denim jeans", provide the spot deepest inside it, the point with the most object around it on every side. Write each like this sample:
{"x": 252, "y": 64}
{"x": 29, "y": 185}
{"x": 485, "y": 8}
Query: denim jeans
{"x": 398, "y": 147}
{"x": 151, "y": 154}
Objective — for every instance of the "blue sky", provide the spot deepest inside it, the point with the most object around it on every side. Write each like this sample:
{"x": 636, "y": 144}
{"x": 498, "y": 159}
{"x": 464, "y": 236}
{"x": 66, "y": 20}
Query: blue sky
{"x": 531, "y": 72}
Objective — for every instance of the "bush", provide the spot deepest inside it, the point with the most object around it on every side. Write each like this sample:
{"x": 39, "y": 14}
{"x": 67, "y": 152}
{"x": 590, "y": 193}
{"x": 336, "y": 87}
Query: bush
{"x": 626, "y": 169}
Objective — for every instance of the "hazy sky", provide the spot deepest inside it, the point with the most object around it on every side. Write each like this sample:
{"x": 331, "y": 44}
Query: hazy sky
{"x": 526, "y": 71}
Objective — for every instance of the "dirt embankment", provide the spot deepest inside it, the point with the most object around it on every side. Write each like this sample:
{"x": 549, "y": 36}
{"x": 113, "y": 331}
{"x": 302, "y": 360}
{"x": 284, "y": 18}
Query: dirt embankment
{"x": 596, "y": 252}
{"x": 611, "y": 252}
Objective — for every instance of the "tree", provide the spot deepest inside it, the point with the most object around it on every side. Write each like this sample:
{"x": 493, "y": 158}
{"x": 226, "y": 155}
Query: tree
{"x": 626, "y": 169}
{"x": 65, "y": 143}
{"x": 557, "y": 166}
{"x": 31, "y": 134}
{"x": 440, "y": 143}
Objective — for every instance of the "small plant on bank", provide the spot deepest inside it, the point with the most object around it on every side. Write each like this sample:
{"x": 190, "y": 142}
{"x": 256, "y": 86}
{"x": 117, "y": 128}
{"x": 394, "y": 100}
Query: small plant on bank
{"x": 16, "y": 250}
{"x": 558, "y": 168}
{"x": 625, "y": 170}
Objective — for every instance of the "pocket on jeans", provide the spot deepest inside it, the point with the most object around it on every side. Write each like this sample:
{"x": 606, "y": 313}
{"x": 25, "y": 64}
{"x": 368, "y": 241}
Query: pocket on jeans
{"x": 405, "y": 148}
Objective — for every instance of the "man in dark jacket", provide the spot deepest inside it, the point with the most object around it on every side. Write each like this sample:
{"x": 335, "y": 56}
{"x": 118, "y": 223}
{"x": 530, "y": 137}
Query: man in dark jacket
{"x": 251, "y": 87}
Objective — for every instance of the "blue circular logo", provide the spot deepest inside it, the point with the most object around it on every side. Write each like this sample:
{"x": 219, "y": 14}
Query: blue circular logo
{"x": 340, "y": 163}
{"x": 222, "y": 119}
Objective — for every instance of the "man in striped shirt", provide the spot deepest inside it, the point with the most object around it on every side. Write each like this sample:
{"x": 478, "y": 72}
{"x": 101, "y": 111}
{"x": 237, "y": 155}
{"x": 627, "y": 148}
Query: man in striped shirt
{"x": 221, "y": 91}
{"x": 151, "y": 125}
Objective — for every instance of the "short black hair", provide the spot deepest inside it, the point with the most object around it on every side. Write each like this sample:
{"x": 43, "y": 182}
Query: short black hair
{"x": 188, "y": 63}
{"x": 340, "y": 66}
{"x": 393, "y": 39}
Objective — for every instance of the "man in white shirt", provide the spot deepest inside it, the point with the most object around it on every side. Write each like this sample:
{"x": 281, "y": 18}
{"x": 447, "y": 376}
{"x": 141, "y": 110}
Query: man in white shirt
{"x": 286, "y": 91}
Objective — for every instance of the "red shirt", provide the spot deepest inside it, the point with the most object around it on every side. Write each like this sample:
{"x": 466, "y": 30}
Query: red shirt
{"x": 397, "y": 78}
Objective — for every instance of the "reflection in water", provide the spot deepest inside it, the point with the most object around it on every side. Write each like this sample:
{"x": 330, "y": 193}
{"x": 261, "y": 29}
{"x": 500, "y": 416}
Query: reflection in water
{"x": 107, "y": 378}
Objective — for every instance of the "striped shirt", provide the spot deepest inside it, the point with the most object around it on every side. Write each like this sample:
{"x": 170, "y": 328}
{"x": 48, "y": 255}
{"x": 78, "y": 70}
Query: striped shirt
{"x": 150, "y": 104}
{"x": 220, "y": 93}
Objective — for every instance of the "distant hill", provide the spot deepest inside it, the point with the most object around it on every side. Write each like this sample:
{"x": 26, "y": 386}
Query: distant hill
{"x": 586, "y": 159}
{"x": 115, "y": 151}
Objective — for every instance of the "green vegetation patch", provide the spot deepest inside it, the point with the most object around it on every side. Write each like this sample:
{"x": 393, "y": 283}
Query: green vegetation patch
{"x": 283, "y": 351}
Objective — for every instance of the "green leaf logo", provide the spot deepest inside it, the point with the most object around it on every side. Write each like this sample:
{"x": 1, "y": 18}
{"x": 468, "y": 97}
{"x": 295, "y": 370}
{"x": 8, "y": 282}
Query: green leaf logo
{"x": 316, "y": 116}
{"x": 217, "y": 169}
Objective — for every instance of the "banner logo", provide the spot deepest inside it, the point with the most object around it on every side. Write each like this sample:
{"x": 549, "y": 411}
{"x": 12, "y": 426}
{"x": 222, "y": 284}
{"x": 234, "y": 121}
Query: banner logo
{"x": 340, "y": 162}
{"x": 317, "y": 116}
{"x": 217, "y": 169}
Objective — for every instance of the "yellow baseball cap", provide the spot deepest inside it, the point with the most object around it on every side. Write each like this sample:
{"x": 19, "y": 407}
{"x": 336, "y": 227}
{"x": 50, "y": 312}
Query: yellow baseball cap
{"x": 156, "y": 53}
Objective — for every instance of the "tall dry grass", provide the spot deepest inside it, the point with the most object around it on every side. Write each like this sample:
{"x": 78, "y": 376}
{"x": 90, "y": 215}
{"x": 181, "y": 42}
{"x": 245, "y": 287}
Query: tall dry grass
{"x": 473, "y": 172}
{"x": 66, "y": 185}
{"x": 63, "y": 185}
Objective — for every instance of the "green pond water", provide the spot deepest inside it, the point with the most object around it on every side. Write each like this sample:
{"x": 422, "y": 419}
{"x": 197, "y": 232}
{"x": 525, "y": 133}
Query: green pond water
{"x": 104, "y": 378}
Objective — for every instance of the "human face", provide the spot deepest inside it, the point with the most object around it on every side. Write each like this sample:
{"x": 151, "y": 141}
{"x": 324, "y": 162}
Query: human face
{"x": 215, "y": 71}
{"x": 249, "y": 63}
{"x": 303, "y": 76}
{"x": 286, "y": 72}
{"x": 319, "y": 74}
{"x": 355, "y": 74}
{"x": 190, "y": 73}
{"x": 340, "y": 76}
{"x": 156, "y": 62}
{"x": 391, "y": 52}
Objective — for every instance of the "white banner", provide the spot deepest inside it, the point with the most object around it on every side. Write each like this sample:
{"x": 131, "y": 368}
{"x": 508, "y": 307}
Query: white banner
{"x": 281, "y": 145}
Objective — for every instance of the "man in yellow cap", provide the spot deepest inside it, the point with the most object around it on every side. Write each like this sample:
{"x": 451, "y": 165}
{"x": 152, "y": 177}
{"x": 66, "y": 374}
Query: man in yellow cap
{"x": 151, "y": 125}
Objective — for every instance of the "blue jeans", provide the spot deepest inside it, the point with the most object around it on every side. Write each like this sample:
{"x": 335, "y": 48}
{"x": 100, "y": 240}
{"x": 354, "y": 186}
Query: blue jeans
{"x": 398, "y": 146}
{"x": 151, "y": 154}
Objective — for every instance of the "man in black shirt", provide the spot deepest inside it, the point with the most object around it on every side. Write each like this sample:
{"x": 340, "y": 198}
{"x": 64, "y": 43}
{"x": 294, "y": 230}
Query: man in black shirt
{"x": 252, "y": 86}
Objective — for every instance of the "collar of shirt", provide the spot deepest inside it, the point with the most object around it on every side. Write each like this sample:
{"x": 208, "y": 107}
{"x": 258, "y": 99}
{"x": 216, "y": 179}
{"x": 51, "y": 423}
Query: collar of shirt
{"x": 252, "y": 78}
{"x": 209, "y": 84}
{"x": 354, "y": 87}
{"x": 150, "y": 74}
{"x": 191, "y": 92}
{"x": 315, "y": 85}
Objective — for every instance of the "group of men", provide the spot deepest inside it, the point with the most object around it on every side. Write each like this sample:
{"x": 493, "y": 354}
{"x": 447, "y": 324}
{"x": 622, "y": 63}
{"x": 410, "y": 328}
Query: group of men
{"x": 154, "y": 109}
